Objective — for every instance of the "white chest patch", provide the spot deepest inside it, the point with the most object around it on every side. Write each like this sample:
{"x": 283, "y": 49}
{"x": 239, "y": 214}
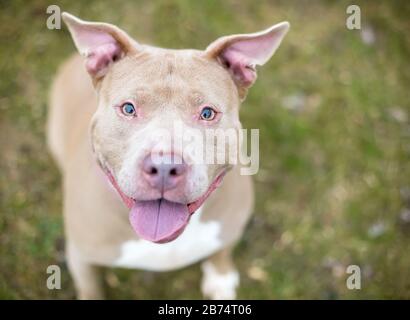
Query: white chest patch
{"x": 199, "y": 240}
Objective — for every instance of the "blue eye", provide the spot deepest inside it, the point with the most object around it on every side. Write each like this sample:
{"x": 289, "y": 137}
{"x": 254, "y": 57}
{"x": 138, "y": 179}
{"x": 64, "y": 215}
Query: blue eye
{"x": 128, "y": 109}
{"x": 208, "y": 114}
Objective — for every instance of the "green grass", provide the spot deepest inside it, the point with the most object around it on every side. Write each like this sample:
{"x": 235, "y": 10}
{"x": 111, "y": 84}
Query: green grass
{"x": 334, "y": 162}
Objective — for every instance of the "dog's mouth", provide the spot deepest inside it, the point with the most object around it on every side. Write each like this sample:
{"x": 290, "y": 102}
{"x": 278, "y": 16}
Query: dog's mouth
{"x": 161, "y": 220}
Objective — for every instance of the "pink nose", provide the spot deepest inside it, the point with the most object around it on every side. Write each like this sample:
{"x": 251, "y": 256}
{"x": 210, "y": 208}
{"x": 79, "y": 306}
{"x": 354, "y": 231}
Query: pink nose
{"x": 164, "y": 172}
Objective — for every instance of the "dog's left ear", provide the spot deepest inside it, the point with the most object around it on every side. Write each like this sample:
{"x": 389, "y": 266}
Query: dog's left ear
{"x": 240, "y": 53}
{"x": 101, "y": 44}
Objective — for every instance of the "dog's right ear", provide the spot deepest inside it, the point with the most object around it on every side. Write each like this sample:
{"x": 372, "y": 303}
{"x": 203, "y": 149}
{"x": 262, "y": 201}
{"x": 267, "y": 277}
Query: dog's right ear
{"x": 241, "y": 53}
{"x": 100, "y": 43}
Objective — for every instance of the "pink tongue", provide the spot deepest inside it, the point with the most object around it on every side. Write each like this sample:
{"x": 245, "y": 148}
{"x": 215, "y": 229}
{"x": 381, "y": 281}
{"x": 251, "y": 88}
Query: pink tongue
{"x": 159, "y": 220}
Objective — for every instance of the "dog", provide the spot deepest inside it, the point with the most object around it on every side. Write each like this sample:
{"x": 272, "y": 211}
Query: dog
{"x": 122, "y": 208}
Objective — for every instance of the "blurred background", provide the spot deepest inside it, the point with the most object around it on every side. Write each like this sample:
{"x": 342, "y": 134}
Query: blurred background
{"x": 332, "y": 107}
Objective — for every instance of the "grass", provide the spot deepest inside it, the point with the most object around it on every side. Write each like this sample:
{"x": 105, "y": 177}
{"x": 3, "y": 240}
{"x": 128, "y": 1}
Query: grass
{"x": 333, "y": 188}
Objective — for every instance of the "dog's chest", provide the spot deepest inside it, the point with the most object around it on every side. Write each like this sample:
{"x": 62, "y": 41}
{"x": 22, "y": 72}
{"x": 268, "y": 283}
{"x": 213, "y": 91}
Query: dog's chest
{"x": 199, "y": 240}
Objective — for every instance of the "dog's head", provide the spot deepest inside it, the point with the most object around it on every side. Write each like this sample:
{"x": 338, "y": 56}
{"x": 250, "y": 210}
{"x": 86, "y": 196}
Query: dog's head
{"x": 155, "y": 109}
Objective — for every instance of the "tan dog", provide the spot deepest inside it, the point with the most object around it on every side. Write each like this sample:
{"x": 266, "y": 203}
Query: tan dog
{"x": 122, "y": 208}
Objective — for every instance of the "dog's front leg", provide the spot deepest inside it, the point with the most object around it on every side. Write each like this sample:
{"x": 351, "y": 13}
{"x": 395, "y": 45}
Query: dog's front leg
{"x": 86, "y": 276}
{"x": 220, "y": 278}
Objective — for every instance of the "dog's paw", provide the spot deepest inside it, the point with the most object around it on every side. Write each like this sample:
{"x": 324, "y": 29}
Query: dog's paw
{"x": 218, "y": 286}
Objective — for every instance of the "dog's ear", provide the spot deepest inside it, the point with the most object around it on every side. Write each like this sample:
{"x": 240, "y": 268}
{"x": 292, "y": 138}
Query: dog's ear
{"x": 100, "y": 43}
{"x": 240, "y": 53}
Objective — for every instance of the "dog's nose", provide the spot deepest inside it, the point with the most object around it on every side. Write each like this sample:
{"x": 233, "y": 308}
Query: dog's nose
{"x": 164, "y": 172}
